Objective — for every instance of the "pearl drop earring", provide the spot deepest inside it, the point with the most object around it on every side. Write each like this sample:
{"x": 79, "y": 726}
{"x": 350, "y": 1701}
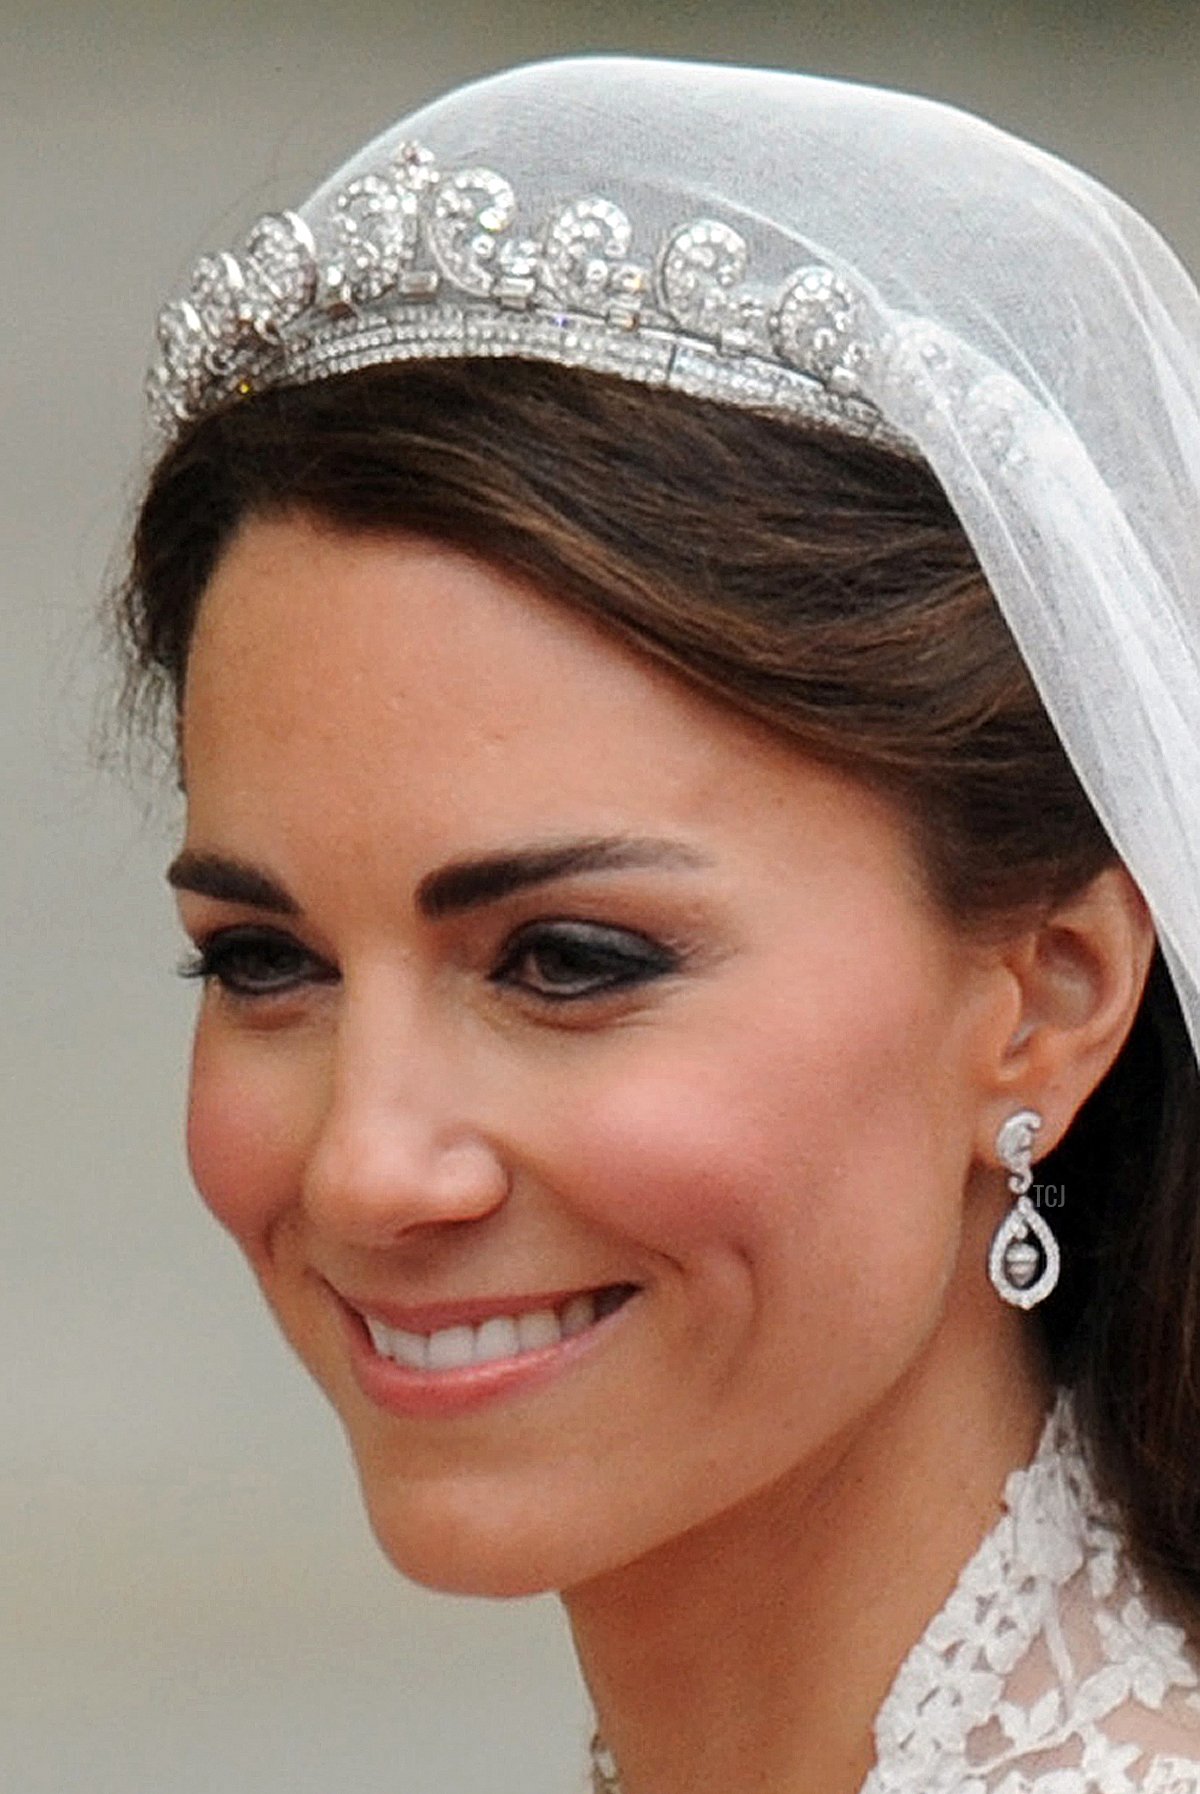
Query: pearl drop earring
{"x": 1023, "y": 1261}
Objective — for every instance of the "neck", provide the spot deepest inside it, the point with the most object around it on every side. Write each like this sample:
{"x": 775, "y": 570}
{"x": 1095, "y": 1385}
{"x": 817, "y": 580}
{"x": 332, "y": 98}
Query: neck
{"x": 755, "y": 1651}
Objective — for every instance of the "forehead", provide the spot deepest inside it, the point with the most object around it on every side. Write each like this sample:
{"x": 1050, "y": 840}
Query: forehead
{"x": 320, "y": 623}
{"x": 392, "y": 683}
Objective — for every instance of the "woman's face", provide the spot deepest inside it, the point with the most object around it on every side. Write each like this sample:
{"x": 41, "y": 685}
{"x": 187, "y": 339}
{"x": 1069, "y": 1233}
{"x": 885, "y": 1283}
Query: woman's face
{"x": 731, "y": 1070}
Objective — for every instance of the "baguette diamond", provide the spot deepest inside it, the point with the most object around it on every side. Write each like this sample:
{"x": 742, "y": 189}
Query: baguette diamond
{"x": 408, "y": 261}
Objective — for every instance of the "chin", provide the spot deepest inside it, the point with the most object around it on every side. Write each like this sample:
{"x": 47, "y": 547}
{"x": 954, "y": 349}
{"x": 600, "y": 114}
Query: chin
{"x": 473, "y": 1535}
{"x": 455, "y": 1558}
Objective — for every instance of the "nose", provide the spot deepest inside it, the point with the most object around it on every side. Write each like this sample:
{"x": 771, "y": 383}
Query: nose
{"x": 396, "y": 1147}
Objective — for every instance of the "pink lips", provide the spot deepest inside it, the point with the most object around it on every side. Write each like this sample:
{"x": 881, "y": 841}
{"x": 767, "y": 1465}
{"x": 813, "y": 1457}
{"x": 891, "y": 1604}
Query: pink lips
{"x": 422, "y": 1394}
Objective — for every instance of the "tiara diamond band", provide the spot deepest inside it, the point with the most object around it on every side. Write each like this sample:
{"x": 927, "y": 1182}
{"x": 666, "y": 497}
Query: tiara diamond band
{"x": 409, "y": 260}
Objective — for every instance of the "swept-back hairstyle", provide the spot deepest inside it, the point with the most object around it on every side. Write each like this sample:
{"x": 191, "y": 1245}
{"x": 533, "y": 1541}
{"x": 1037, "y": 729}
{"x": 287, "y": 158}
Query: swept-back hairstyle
{"x": 825, "y": 586}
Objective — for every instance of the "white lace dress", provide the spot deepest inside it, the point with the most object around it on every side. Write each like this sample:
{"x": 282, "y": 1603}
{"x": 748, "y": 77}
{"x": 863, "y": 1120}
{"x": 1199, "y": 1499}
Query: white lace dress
{"x": 1048, "y": 1670}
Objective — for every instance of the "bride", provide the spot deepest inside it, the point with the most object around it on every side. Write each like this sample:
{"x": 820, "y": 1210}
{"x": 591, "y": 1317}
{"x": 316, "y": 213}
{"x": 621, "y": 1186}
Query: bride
{"x": 676, "y": 595}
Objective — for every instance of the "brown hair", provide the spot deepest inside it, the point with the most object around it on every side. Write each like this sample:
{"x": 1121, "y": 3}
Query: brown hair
{"x": 823, "y": 585}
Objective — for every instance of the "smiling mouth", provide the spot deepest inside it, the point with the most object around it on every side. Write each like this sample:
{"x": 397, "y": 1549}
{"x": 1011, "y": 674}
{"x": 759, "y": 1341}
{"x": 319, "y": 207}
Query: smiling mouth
{"x": 500, "y": 1336}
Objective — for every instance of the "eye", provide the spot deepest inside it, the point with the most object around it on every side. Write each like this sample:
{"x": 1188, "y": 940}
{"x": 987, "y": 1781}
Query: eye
{"x": 252, "y": 963}
{"x": 581, "y": 959}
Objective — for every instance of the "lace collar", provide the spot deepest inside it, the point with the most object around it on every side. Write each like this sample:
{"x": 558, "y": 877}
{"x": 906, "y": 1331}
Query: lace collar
{"x": 1047, "y": 1671}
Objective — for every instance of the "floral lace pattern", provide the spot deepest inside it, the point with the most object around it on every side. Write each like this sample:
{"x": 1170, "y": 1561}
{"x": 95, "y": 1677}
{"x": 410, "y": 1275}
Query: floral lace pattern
{"x": 1048, "y": 1669}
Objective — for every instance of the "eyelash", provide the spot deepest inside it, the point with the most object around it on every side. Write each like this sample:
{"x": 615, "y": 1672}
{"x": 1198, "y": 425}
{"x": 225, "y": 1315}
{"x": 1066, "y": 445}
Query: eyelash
{"x": 218, "y": 956}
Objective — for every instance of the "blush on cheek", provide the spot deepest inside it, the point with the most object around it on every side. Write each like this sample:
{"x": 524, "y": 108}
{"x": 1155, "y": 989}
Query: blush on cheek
{"x": 794, "y": 1146}
{"x": 681, "y": 1158}
{"x": 238, "y": 1147}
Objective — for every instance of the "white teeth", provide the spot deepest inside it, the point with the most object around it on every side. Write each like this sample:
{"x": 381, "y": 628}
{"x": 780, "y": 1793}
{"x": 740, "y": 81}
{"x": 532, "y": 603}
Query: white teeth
{"x": 451, "y": 1348}
{"x": 393, "y": 1342}
{"x": 496, "y": 1338}
{"x": 410, "y": 1348}
{"x": 579, "y": 1313}
{"x": 503, "y": 1336}
{"x": 540, "y": 1328}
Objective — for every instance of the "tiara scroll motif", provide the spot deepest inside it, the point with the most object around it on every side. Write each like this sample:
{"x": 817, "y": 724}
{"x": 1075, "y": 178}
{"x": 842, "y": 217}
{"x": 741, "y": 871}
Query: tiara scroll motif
{"x": 408, "y": 261}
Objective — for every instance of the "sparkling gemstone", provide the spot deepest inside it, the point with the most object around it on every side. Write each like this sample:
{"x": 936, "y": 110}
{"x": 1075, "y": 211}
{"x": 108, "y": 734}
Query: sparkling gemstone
{"x": 217, "y": 291}
{"x": 702, "y": 267}
{"x": 372, "y": 236}
{"x": 413, "y": 166}
{"x": 517, "y": 268}
{"x": 916, "y": 373}
{"x": 1014, "y": 1258}
{"x": 470, "y": 211}
{"x": 994, "y": 408}
{"x": 586, "y": 249}
{"x": 816, "y": 326}
{"x": 418, "y": 283}
{"x": 165, "y": 398}
{"x": 572, "y": 293}
{"x": 279, "y": 263}
{"x": 182, "y": 340}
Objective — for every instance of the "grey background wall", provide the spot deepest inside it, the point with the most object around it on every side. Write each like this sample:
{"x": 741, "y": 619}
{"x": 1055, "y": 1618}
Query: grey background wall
{"x": 189, "y": 1597}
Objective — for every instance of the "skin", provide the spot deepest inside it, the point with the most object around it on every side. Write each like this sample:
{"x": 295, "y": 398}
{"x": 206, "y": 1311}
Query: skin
{"x": 754, "y": 1496}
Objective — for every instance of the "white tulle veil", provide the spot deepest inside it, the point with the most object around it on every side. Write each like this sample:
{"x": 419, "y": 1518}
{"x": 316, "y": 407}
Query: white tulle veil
{"x": 886, "y": 263}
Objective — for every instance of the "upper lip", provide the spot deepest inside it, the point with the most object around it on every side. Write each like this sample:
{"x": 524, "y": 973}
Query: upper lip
{"x": 431, "y": 1317}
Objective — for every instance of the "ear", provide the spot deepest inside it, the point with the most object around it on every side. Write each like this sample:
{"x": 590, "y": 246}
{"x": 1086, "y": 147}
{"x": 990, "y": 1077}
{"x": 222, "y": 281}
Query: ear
{"x": 1078, "y": 978}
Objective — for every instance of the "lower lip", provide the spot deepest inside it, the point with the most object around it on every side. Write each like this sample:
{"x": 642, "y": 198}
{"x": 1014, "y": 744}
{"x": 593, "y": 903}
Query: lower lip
{"x": 420, "y": 1394}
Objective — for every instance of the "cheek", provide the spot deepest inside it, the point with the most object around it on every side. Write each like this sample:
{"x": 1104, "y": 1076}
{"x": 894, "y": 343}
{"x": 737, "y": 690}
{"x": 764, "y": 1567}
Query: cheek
{"x": 242, "y": 1135}
{"x": 800, "y": 1161}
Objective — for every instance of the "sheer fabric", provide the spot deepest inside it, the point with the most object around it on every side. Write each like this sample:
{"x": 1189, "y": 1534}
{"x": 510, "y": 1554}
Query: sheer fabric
{"x": 1023, "y": 327}
{"x": 1014, "y": 323}
{"x": 1049, "y": 1669}
{"x": 1038, "y": 344}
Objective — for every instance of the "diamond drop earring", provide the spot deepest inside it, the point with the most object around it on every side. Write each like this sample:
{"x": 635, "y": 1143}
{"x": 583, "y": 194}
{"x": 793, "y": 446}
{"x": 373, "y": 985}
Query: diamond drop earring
{"x": 1024, "y": 1258}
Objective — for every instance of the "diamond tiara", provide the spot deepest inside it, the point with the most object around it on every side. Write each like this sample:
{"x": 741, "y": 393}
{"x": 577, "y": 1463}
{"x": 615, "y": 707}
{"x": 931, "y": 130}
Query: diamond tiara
{"x": 409, "y": 263}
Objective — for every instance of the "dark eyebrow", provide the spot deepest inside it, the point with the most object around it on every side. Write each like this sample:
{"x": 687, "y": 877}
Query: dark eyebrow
{"x": 464, "y": 884}
{"x": 461, "y": 885}
{"x": 229, "y": 880}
